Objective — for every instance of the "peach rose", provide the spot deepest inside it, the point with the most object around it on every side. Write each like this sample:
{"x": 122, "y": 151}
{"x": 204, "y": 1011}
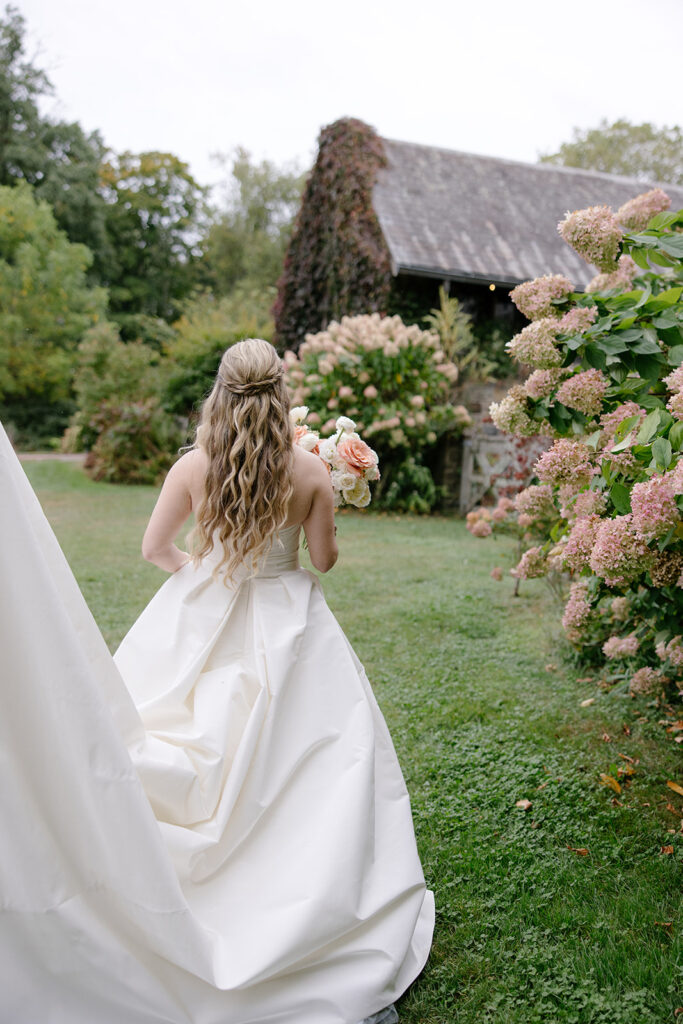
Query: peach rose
{"x": 357, "y": 455}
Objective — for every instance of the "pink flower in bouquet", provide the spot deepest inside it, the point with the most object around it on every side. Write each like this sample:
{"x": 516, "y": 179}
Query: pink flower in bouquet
{"x": 636, "y": 214}
{"x": 620, "y": 647}
{"x": 531, "y": 565}
{"x": 646, "y": 681}
{"x": 580, "y": 542}
{"x": 357, "y": 455}
{"x": 541, "y": 383}
{"x": 595, "y": 234}
{"x": 535, "y": 345}
{"x": 654, "y": 508}
{"x": 584, "y": 392}
{"x": 535, "y": 298}
{"x": 566, "y": 462}
{"x": 620, "y": 554}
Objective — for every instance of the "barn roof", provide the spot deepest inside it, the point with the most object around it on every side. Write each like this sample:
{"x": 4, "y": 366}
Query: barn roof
{"x": 464, "y": 217}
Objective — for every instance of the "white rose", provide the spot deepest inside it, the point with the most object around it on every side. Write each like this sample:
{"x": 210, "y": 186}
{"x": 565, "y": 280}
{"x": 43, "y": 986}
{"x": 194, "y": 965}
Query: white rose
{"x": 299, "y": 413}
{"x": 358, "y": 495}
{"x": 328, "y": 451}
{"x": 345, "y": 424}
{"x": 309, "y": 441}
{"x": 347, "y": 481}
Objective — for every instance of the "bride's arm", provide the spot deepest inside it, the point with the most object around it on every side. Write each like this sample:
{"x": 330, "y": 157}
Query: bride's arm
{"x": 319, "y": 524}
{"x": 173, "y": 507}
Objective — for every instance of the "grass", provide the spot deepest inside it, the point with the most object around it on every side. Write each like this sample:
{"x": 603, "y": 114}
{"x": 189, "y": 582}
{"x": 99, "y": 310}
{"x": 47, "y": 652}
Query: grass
{"x": 483, "y": 712}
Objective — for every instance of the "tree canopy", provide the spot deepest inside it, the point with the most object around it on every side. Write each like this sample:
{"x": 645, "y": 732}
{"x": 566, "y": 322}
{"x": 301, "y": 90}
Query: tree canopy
{"x": 641, "y": 151}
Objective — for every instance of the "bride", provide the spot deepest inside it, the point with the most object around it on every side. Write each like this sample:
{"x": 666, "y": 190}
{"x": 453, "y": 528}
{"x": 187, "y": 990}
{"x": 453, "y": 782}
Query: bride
{"x": 275, "y": 879}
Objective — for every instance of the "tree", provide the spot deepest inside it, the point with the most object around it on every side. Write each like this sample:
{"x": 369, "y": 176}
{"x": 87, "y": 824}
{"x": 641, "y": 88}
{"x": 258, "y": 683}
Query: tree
{"x": 46, "y": 305}
{"x": 153, "y": 212}
{"x": 59, "y": 159}
{"x": 247, "y": 239}
{"x": 641, "y": 151}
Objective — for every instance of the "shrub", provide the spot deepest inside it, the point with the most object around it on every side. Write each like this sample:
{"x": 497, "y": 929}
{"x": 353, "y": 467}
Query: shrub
{"x": 137, "y": 442}
{"x": 395, "y": 382}
{"x": 607, "y": 384}
{"x": 108, "y": 372}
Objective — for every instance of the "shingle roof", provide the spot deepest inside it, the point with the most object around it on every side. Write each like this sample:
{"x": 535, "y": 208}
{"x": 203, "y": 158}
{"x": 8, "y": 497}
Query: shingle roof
{"x": 467, "y": 217}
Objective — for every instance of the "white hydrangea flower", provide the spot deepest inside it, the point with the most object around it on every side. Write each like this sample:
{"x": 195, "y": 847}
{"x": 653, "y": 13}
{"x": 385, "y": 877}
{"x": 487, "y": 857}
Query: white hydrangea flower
{"x": 299, "y": 413}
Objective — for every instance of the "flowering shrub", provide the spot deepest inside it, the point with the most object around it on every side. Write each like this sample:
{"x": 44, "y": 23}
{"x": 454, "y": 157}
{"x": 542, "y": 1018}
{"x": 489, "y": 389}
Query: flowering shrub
{"x": 394, "y": 381}
{"x": 607, "y": 385}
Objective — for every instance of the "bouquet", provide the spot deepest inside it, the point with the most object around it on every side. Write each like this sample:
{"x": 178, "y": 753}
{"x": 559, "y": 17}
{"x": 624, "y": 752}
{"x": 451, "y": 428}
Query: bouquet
{"x": 351, "y": 463}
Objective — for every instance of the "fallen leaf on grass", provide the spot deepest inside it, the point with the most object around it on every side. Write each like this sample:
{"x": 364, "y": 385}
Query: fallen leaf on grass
{"x": 678, "y": 739}
{"x": 674, "y": 810}
{"x": 626, "y": 757}
{"x": 586, "y": 679}
{"x": 665, "y": 924}
{"x": 667, "y": 849}
{"x": 581, "y": 850}
{"x": 676, "y": 788}
{"x": 678, "y": 1011}
{"x": 625, "y": 729}
{"x": 551, "y": 668}
{"x": 609, "y": 780}
{"x": 542, "y": 785}
{"x": 524, "y": 804}
{"x": 587, "y": 702}
{"x": 606, "y": 737}
{"x": 676, "y": 727}
{"x": 616, "y": 803}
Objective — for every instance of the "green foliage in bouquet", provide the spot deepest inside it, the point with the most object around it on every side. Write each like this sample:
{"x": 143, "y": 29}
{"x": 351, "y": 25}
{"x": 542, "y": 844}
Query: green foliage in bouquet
{"x": 394, "y": 381}
{"x": 607, "y": 385}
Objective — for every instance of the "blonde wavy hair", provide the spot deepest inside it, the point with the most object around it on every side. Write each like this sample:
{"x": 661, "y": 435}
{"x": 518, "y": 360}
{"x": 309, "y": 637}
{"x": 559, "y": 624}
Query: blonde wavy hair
{"x": 246, "y": 432}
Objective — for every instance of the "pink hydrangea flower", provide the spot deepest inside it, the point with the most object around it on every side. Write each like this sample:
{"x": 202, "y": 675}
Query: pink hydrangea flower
{"x": 370, "y": 391}
{"x": 510, "y": 414}
{"x": 595, "y": 234}
{"x": 577, "y": 611}
{"x": 620, "y": 553}
{"x": 620, "y": 607}
{"x": 541, "y": 383}
{"x": 675, "y": 405}
{"x": 636, "y": 214}
{"x": 620, "y": 647}
{"x": 525, "y": 520}
{"x": 611, "y": 420}
{"x": 578, "y": 320}
{"x": 580, "y": 543}
{"x": 674, "y": 651}
{"x": 535, "y": 298}
{"x": 535, "y": 345}
{"x": 588, "y": 503}
{"x": 674, "y": 381}
{"x": 480, "y": 528}
{"x": 620, "y": 279}
{"x": 566, "y": 462}
{"x": 647, "y": 680}
{"x": 536, "y": 501}
{"x": 653, "y": 504}
{"x": 531, "y": 564}
{"x": 584, "y": 392}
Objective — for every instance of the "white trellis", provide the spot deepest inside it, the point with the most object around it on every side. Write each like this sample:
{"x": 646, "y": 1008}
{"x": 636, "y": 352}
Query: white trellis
{"x": 491, "y": 460}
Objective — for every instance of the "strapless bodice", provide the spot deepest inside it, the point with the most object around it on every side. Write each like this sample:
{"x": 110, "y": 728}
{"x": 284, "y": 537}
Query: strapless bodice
{"x": 283, "y": 555}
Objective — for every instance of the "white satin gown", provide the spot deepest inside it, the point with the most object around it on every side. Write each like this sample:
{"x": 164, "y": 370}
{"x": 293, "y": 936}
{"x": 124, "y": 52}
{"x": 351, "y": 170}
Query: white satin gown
{"x": 234, "y": 844}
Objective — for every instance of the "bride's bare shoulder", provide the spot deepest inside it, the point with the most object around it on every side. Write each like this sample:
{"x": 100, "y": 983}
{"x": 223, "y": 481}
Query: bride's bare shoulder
{"x": 308, "y": 466}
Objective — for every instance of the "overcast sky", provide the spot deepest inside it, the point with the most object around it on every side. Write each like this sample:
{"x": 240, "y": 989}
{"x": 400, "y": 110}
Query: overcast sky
{"x": 496, "y": 77}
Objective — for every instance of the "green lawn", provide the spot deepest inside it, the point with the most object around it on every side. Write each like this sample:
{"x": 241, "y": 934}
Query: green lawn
{"x": 483, "y": 712}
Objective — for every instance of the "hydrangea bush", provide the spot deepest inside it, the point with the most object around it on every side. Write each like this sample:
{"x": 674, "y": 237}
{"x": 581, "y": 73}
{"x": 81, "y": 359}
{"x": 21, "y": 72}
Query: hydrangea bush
{"x": 395, "y": 382}
{"x": 606, "y": 384}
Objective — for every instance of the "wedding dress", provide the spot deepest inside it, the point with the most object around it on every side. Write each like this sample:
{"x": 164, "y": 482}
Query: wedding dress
{"x": 226, "y": 838}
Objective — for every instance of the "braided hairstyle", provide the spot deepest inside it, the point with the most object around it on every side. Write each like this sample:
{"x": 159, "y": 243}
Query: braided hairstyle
{"x": 245, "y": 430}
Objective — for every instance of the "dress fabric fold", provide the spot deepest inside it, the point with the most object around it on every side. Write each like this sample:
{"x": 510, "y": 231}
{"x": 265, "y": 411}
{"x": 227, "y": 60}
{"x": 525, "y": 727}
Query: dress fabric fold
{"x": 210, "y": 828}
